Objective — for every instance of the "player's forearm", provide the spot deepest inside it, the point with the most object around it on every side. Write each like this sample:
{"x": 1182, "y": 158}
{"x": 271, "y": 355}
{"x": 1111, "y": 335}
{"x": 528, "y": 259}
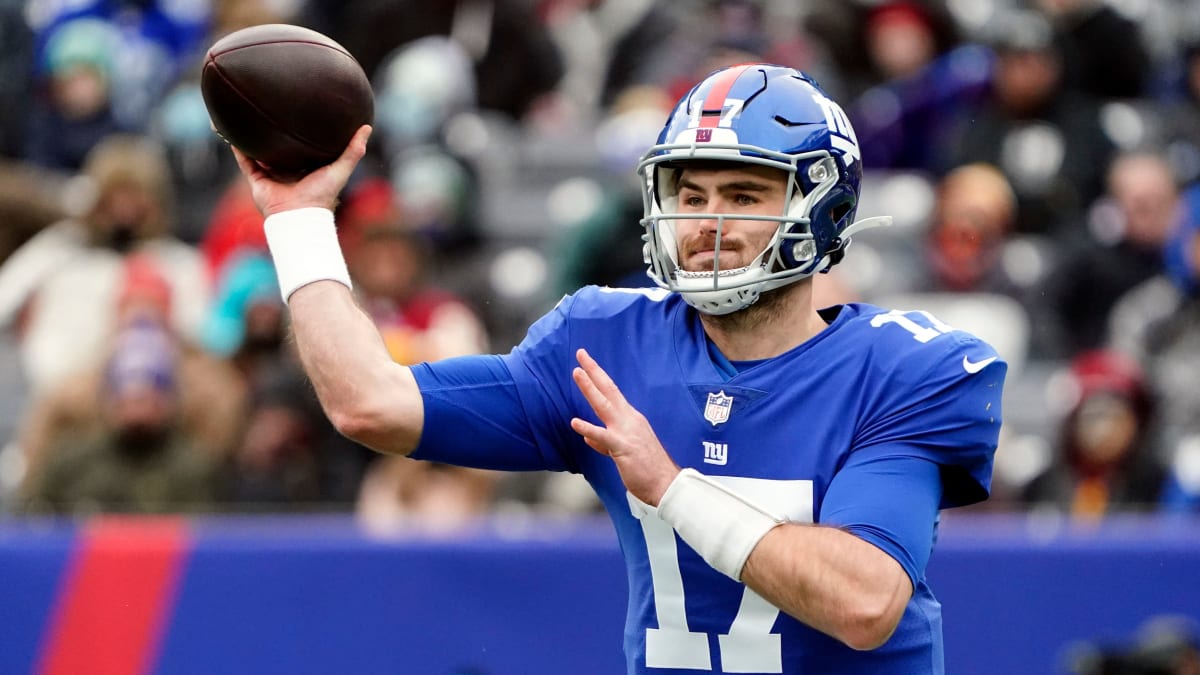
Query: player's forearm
{"x": 366, "y": 395}
{"x": 831, "y": 580}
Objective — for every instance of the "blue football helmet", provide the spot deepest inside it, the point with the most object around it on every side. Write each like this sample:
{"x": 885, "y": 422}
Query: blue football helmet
{"x": 767, "y": 115}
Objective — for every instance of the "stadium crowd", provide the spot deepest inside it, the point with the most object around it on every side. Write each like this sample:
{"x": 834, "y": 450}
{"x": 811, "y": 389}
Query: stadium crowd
{"x": 1041, "y": 160}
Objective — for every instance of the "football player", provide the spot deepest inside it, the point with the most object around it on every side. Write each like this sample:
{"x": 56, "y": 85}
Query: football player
{"x": 774, "y": 470}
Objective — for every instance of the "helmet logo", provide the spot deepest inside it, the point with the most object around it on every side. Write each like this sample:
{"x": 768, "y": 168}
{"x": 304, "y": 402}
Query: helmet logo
{"x": 718, "y": 407}
{"x": 841, "y": 134}
{"x": 703, "y": 135}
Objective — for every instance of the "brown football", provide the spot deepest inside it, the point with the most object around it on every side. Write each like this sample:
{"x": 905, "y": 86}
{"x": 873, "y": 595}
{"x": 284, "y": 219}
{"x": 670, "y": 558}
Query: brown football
{"x": 286, "y": 96}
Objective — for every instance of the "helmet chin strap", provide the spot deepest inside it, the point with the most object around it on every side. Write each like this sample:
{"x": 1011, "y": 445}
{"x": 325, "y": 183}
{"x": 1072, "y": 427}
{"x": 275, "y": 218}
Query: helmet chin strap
{"x": 865, "y": 224}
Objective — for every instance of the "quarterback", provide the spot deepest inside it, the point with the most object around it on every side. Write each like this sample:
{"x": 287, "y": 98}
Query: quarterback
{"x": 774, "y": 469}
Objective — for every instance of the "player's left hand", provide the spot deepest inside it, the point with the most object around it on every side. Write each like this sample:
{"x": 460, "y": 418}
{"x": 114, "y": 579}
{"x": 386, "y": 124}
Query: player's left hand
{"x": 626, "y": 436}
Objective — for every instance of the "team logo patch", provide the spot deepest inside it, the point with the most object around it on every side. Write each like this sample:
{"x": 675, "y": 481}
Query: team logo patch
{"x": 703, "y": 135}
{"x": 717, "y": 408}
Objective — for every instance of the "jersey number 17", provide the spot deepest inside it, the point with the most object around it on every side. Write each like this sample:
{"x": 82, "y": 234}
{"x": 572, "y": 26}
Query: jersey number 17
{"x": 749, "y": 646}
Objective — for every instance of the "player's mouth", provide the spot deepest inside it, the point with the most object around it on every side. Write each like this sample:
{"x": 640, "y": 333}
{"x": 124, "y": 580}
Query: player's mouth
{"x": 702, "y": 259}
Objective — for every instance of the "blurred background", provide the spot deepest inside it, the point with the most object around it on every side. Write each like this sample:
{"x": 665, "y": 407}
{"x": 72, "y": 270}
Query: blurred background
{"x": 1041, "y": 160}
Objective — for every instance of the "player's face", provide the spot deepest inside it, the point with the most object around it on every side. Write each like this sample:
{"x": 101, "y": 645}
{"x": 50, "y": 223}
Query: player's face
{"x": 740, "y": 190}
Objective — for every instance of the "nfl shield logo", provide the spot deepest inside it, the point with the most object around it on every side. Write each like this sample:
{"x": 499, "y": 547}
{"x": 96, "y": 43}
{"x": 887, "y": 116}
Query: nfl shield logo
{"x": 717, "y": 408}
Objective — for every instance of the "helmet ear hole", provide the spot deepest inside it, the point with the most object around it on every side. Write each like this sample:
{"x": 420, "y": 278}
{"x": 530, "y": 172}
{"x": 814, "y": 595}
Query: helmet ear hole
{"x": 839, "y": 211}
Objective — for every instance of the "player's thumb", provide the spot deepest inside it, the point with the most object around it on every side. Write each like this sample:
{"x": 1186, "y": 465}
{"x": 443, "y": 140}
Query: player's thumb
{"x": 357, "y": 147}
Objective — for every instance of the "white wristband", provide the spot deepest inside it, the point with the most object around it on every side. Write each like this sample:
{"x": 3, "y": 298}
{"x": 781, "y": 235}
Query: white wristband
{"x": 304, "y": 246}
{"x": 718, "y": 523}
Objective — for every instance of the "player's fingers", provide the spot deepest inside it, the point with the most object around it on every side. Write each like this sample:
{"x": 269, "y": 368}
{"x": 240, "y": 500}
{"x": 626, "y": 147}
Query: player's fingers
{"x": 594, "y": 436}
{"x": 341, "y": 168}
{"x": 357, "y": 147}
{"x": 361, "y": 137}
{"x": 599, "y": 377}
{"x": 594, "y": 396}
{"x": 247, "y": 165}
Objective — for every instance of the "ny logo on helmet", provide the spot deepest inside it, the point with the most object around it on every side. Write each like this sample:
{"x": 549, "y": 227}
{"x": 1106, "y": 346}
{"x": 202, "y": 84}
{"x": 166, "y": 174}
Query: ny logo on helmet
{"x": 841, "y": 134}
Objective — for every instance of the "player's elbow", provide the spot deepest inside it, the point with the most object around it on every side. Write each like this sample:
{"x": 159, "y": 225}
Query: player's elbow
{"x": 867, "y": 633}
{"x": 369, "y": 425}
{"x": 356, "y": 420}
{"x": 871, "y": 623}
{"x": 377, "y": 418}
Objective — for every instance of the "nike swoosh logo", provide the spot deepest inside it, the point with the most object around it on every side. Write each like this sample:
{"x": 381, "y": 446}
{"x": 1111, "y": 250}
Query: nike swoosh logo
{"x": 976, "y": 367}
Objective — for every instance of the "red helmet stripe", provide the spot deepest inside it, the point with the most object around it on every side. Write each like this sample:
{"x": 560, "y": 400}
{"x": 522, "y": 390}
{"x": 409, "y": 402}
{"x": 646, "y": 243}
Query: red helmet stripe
{"x": 715, "y": 101}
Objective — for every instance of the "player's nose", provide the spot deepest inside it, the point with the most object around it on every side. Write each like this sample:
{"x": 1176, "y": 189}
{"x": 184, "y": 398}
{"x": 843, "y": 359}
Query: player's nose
{"x": 712, "y": 222}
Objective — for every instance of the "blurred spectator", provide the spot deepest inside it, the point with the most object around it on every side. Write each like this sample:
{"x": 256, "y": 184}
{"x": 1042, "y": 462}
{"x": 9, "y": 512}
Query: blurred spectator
{"x": 200, "y": 162}
{"x": 418, "y": 322}
{"x": 610, "y": 45}
{"x": 601, "y": 243}
{"x": 287, "y": 455}
{"x": 720, "y": 34}
{"x": 230, "y": 15}
{"x": 148, "y": 43}
{"x": 1103, "y": 461}
{"x": 401, "y": 493}
{"x": 1158, "y": 323}
{"x": 1103, "y": 52}
{"x": 437, "y": 193}
{"x": 247, "y": 323}
{"x": 60, "y": 288}
{"x": 290, "y": 457}
{"x": 904, "y": 123}
{"x": 139, "y": 458}
{"x": 1128, "y": 229}
{"x": 1181, "y": 117}
{"x": 423, "y": 88}
{"x": 211, "y": 396}
{"x": 235, "y": 228}
{"x": 72, "y": 110}
{"x": 961, "y": 261}
{"x": 421, "y": 85}
{"x": 1046, "y": 139}
{"x": 872, "y": 43}
{"x": 902, "y": 38}
{"x": 514, "y": 59}
{"x": 973, "y": 217}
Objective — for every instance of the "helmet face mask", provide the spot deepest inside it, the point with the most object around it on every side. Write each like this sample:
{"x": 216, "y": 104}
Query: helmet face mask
{"x": 758, "y": 115}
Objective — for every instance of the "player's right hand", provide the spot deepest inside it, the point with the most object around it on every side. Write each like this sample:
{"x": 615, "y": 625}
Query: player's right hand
{"x": 317, "y": 189}
{"x": 624, "y": 434}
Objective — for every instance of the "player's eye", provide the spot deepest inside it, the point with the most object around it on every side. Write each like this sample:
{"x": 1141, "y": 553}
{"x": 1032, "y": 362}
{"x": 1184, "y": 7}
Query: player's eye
{"x": 693, "y": 201}
{"x": 744, "y": 199}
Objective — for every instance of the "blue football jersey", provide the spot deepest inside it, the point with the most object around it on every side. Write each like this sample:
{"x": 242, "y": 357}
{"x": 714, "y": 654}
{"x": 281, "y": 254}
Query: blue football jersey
{"x": 874, "y": 384}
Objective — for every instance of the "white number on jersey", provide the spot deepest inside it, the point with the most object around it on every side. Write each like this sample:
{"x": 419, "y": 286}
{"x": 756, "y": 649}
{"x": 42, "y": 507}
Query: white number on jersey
{"x": 750, "y": 646}
{"x": 906, "y": 321}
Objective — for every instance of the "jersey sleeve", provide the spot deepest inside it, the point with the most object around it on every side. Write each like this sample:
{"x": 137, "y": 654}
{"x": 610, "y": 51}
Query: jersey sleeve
{"x": 891, "y": 502}
{"x": 940, "y": 402}
{"x": 501, "y": 412}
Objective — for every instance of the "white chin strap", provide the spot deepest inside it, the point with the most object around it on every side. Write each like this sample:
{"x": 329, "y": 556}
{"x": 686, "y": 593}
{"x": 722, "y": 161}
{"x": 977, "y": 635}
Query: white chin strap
{"x": 697, "y": 290}
{"x": 865, "y": 224}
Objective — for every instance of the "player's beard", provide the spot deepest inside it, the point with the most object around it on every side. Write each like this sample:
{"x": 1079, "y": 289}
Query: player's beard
{"x": 770, "y": 306}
